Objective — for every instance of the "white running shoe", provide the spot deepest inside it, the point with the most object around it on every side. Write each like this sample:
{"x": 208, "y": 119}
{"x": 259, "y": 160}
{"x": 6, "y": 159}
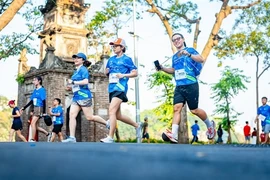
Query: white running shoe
{"x": 211, "y": 132}
{"x": 169, "y": 134}
{"x": 69, "y": 140}
{"x": 108, "y": 139}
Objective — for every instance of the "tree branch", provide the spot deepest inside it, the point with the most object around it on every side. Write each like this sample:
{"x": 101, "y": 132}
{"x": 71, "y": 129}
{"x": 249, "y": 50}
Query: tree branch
{"x": 247, "y": 6}
{"x": 10, "y": 12}
{"x": 180, "y": 15}
{"x": 165, "y": 22}
{"x": 196, "y": 33}
{"x": 20, "y": 42}
{"x": 264, "y": 70}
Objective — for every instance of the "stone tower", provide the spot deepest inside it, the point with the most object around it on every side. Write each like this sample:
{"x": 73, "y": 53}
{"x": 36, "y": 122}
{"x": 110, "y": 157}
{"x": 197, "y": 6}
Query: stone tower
{"x": 64, "y": 23}
{"x": 64, "y": 35}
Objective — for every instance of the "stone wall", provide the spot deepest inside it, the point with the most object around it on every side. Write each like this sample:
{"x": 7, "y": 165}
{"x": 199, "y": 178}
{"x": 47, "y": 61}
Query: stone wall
{"x": 54, "y": 81}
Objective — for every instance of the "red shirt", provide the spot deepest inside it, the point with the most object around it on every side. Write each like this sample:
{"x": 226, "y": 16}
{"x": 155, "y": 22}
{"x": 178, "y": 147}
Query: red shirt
{"x": 247, "y": 130}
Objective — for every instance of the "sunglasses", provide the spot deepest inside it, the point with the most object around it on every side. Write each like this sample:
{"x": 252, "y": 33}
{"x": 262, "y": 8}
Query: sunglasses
{"x": 176, "y": 39}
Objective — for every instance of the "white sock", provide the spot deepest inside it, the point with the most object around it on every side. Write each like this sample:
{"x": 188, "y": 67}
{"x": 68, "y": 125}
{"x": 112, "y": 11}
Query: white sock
{"x": 72, "y": 137}
{"x": 208, "y": 123}
{"x": 175, "y": 128}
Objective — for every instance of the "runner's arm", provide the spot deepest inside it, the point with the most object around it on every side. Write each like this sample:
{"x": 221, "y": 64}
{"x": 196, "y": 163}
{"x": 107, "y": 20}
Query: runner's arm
{"x": 133, "y": 73}
{"x": 167, "y": 70}
{"x": 197, "y": 58}
{"x": 27, "y": 105}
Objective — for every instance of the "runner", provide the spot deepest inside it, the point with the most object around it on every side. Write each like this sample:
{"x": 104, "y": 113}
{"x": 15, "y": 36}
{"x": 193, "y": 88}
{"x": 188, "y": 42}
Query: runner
{"x": 17, "y": 123}
{"x": 263, "y": 114}
{"x": 82, "y": 98}
{"x": 57, "y": 117}
{"x": 119, "y": 69}
{"x": 186, "y": 66}
{"x": 38, "y": 99}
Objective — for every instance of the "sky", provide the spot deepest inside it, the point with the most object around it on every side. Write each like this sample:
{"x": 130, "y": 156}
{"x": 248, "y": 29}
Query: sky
{"x": 154, "y": 44}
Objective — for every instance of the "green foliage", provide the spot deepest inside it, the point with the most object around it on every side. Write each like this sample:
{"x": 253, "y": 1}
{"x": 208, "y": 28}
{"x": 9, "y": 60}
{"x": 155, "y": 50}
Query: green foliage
{"x": 4, "y": 5}
{"x": 20, "y": 78}
{"x": 257, "y": 16}
{"x": 183, "y": 14}
{"x": 252, "y": 43}
{"x": 106, "y": 23}
{"x": 163, "y": 81}
{"x": 251, "y": 35}
{"x": 11, "y": 44}
{"x": 231, "y": 83}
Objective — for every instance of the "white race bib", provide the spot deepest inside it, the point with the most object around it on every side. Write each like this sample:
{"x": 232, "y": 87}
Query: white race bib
{"x": 35, "y": 101}
{"x": 261, "y": 117}
{"x": 75, "y": 88}
{"x": 113, "y": 78}
{"x": 54, "y": 118}
{"x": 180, "y": 74}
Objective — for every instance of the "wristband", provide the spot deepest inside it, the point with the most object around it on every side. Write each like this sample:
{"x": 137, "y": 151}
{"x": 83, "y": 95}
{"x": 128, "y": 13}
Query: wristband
{"x": 189, "y": 55}
{"x": 72, "y": 82}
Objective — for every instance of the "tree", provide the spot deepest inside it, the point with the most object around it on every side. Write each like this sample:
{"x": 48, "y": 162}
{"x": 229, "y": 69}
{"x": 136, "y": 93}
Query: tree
{"x": 165, "y": 110}
{"x": 252, "y": 42}
{"x": 5, "y": 118}
{"x": 11, "y": 44}
{"x": 229, "y": 86}
{"x": 114, "y": 15}
{"x": 10, "y": 11}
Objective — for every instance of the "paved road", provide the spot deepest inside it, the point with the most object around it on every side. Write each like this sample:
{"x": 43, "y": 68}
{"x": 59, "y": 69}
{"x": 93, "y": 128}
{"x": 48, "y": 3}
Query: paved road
{"x": 95, "y": 161}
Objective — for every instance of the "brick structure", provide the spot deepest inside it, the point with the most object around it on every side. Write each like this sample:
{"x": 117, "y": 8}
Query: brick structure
{"x": 54, "y": 77}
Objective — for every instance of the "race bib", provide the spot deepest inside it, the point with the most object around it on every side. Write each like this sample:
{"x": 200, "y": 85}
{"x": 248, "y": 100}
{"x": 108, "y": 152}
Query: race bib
{"x": 261, "y": 117}
{"x": 35, "y": 101}
{"x": 180, "y": 74}
{"x": 113, "y": 78}
{"x": 54, "y": 118}
{"x": 75, "y": 88}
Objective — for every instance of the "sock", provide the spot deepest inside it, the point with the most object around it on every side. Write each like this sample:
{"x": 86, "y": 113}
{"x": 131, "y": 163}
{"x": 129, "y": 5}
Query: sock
{"x": 175, "y": 128}
{"x": 72, "y": 137}
{"x": 207, "y": 122}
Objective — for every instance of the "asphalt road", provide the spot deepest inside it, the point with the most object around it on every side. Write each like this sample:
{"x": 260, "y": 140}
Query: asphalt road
{"x": 94, "y": 161}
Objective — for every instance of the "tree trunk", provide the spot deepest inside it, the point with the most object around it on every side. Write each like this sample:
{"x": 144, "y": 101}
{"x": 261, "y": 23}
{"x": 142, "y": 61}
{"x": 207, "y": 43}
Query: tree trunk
{"x": 225, "y": 10}
{"x": 11, "y": 11}
{"x": 257, "y": 98}
{"x": 229, "y": 140}
{"x": 183, "y": 128}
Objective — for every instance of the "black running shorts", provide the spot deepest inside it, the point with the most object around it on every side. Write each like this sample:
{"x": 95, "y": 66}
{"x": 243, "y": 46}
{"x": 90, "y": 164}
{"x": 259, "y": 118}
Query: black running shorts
{"x": 187, "y": 93}
{"x": 118, "y": 94}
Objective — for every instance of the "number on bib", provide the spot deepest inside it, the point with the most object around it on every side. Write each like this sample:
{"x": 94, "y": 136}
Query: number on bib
{"x": 75, "y": 88}
{"x": 180, "y": 74}
{"x": 113, "y": 78}
{"x": 261, "y": 117}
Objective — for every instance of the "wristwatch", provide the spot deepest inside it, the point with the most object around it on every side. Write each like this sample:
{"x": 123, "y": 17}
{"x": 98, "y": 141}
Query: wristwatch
{"x": 72, "y": 82}
{"x": 189, "y": 55}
